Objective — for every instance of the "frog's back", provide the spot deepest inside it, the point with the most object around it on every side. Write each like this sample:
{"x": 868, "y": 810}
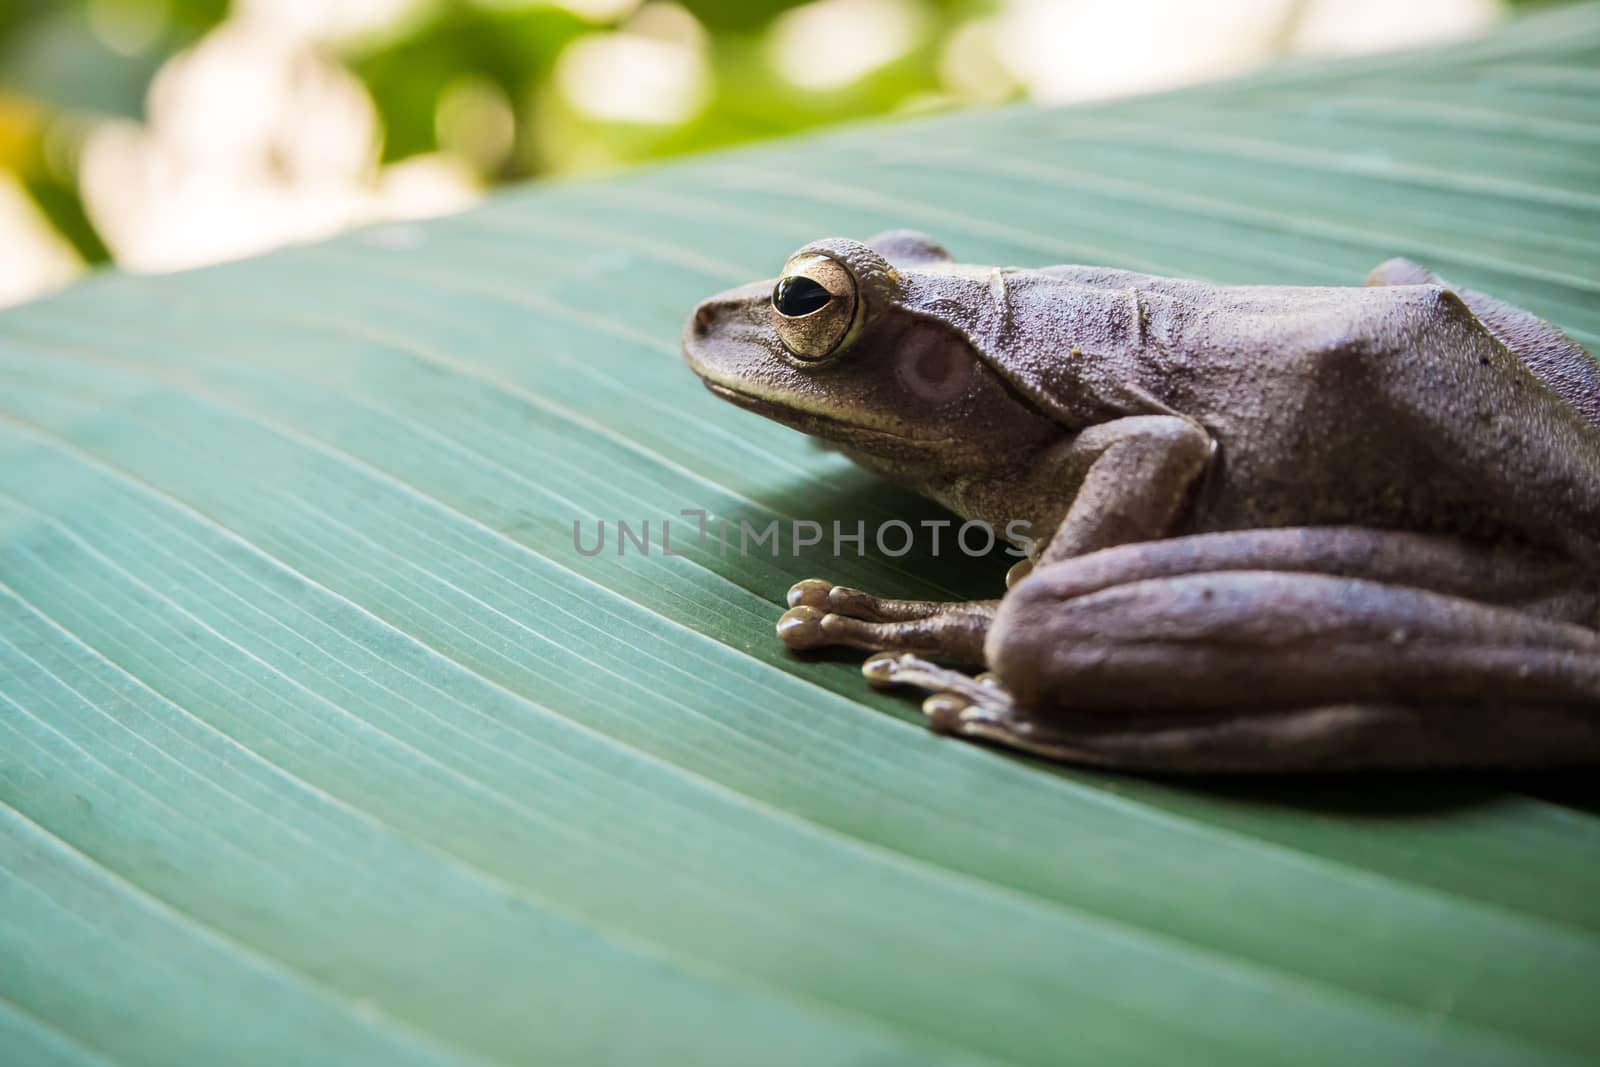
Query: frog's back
{"x": 1182, "y": 315}
{"x": 1398, "y": 406}
{"x": 1262, "y": 326}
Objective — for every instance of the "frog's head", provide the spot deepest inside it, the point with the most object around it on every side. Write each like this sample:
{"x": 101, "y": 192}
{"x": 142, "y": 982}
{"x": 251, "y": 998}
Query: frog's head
{"x": 869, "y": 347}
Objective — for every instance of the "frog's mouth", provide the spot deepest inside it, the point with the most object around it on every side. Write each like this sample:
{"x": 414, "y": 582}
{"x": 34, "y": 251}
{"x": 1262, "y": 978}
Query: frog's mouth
{"x": 748, "y": 401}
{"x": 829, "y": 427}
{"x": 798, "y": 418}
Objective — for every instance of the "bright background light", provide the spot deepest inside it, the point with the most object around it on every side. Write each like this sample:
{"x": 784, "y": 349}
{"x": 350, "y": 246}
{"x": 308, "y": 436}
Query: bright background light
{"x": 250, "y": 124}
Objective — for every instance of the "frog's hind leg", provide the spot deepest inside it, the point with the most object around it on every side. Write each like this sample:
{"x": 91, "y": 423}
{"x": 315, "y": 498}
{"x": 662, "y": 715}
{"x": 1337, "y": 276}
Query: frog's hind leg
{"x": 1543, "y": 584}
{"x": 1562, "y": 363}
{"x": 959, "y": 703}
{"x": 1326, "y": 737}
{"x": 1262, "y": 670}
{"x": 1265, "y": 638}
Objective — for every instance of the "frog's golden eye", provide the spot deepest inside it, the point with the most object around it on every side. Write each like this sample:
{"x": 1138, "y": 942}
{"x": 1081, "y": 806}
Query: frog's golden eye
{"x": 814, "y": 306}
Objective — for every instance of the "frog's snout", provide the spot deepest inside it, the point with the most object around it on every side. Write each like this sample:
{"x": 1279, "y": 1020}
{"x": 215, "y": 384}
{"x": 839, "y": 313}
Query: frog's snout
{"x": 726, "y": 329}
{"x": 703, "y": 317}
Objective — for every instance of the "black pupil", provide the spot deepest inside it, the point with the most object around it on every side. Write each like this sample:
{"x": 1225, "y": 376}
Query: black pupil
{"x": 799, "y": 296}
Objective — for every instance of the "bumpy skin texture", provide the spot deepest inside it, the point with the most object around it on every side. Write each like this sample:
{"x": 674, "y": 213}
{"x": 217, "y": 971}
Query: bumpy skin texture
{"x": 1280, "y": 528}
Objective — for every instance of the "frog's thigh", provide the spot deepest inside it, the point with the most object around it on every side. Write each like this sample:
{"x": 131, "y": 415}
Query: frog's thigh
{"x": 1249, "y": 640}
{"x": 1553, "y": 585}
{"x": 1530, "y": 456}
{"x": 1552, "y": 355}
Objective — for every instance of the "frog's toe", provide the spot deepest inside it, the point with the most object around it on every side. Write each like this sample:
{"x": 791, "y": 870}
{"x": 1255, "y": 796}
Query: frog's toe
{"x": 957, "y": 704}
{"x": 905, "y": 668}
{"x": 879, "y": 670}
{"x": 800, "y": 628}
{"x": 989, "y": 715}
{"x": 946, "y": 712}
{"x": 838, "y": 599}
{"x": 809, "y": 626}
{"x": 842, "y": 600}
{"x": 811, "y": 593}
{"x": 848, "y": 618}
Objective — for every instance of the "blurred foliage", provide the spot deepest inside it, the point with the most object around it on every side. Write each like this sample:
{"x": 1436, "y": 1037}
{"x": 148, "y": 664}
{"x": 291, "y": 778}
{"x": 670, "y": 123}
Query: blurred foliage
{"x": 515, "y": 50}
{"x": 66, "y": 65}
{"x": 59, "y": 74}
{"x": 51, "y": 52}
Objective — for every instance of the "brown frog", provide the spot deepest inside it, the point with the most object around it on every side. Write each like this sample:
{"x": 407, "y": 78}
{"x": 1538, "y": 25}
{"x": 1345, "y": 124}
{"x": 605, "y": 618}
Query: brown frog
{"x": 1275, "y": 528}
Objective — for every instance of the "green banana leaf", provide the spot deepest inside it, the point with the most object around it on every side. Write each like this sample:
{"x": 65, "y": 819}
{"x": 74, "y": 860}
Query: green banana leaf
{"x": 322, "y": 742}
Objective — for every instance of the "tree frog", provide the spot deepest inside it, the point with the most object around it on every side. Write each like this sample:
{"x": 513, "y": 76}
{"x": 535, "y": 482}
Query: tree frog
{"x": 1276, "y": 528}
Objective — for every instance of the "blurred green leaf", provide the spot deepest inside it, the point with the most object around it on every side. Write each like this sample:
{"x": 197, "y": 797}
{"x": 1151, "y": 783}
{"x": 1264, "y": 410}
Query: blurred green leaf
{"x": 514, "y": 49}
{"x": 737, "y": 16}
{"x": 49, "y": 51}
{"x": 59, "y": 60}
{"x": 63, "y": 207}
{"x": 322, "y": 743}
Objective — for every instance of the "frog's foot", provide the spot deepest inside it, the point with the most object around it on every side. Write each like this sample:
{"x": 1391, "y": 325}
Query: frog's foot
{"x": 822, "y": 614}
{"x": 959, "y": 703}
{"x": 973, "y": 706}
{"x": 1318, "y": 738}
{"x": 842, "y": 600}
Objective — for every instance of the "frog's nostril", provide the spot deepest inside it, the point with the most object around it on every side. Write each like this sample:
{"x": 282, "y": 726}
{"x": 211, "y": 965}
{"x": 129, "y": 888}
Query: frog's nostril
{"x": 703, "y": 316}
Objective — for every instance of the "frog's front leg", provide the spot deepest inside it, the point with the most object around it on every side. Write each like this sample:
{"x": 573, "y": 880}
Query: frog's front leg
{"x": 1132, "y": 477}
{"x": 822, "y": 614}
{"x": 1129, "y": 479}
